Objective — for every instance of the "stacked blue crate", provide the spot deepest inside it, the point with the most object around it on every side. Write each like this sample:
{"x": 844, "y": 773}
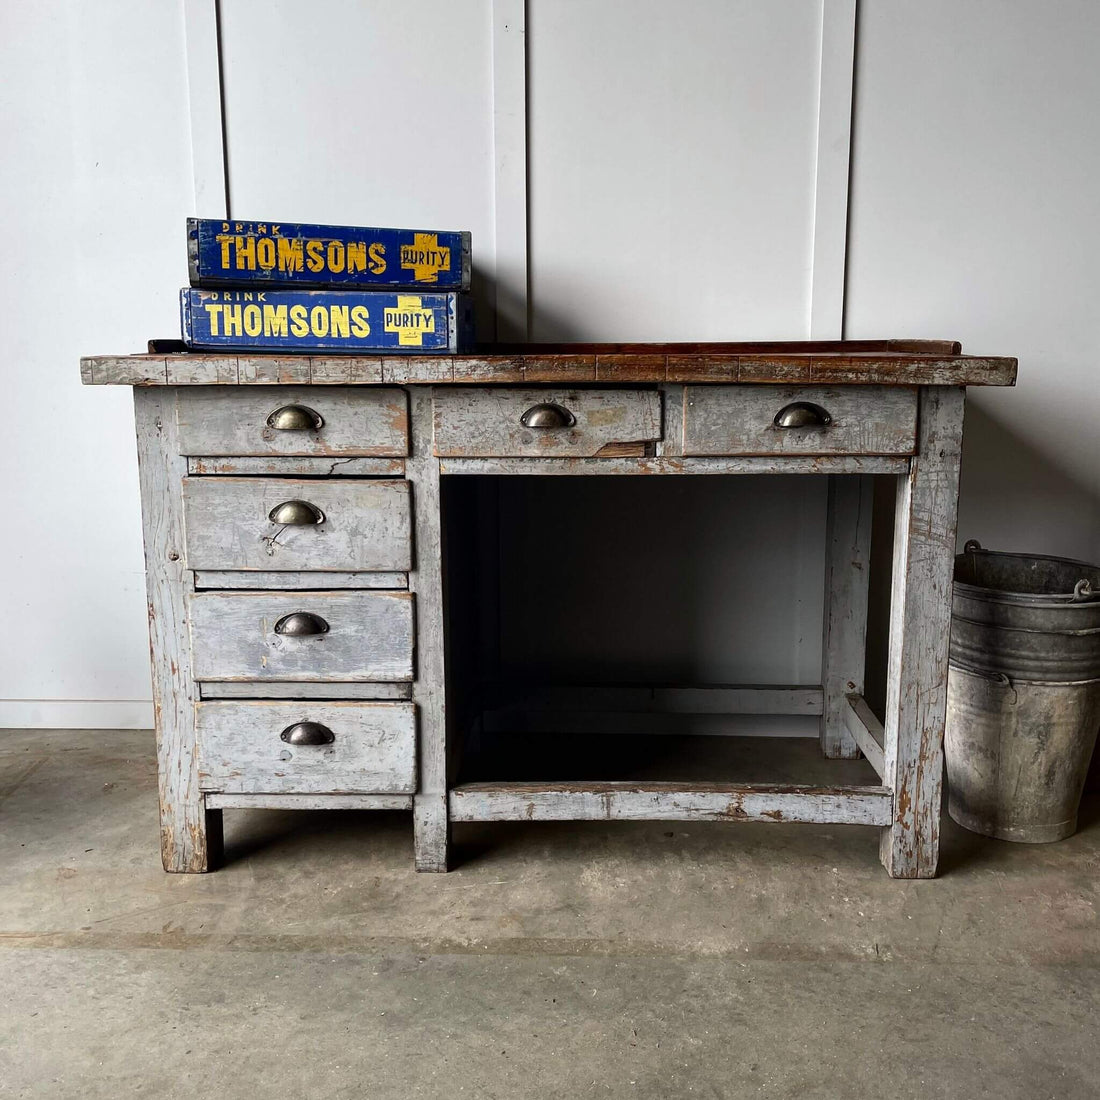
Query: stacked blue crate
{"x": 280, "y": 286}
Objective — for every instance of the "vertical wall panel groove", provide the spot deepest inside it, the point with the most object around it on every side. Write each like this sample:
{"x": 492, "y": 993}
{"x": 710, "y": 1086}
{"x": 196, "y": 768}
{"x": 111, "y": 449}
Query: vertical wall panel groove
{"x": 509, "y": 51}
{"x": 204, "y": 91}
{"x": 834, "y": 138}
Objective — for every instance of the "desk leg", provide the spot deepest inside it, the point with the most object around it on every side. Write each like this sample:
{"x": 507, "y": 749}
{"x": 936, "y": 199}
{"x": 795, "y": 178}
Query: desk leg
{"x": 920, "y": 628}
{"x": 431, "y": 827}
{"x": 190, "y": 836}
{"x": 844, "y": 635}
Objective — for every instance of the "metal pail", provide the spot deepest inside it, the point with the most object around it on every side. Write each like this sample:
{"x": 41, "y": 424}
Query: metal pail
{"x": 1023, "y": 694}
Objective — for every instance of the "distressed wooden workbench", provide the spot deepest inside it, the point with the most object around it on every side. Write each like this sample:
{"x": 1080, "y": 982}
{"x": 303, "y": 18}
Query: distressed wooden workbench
{"x": 293, "y": 533}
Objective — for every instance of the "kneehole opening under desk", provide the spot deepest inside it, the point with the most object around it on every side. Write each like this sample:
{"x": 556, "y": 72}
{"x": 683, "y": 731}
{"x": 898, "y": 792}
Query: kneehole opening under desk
{"x": 639, "y": 630}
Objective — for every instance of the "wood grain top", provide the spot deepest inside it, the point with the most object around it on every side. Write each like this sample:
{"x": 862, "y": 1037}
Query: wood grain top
{"x": 853, "y": 362}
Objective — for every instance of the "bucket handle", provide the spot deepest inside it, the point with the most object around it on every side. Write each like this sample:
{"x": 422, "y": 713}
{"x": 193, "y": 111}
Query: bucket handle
{"x": 996, "y": 677}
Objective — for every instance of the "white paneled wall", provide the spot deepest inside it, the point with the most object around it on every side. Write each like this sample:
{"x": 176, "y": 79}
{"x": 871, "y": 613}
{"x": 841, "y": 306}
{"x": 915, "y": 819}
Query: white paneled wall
{"x": 362, "y": 114}
{"x": 664, "y": 171}
{"x": 975, "y": 214}
{"x": 96, "y": 183}
{"x": 672, "y": 153}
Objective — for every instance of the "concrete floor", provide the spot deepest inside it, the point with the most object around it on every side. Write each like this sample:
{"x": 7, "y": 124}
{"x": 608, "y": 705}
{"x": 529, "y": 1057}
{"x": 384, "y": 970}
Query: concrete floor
{"x": 634, "y": 960}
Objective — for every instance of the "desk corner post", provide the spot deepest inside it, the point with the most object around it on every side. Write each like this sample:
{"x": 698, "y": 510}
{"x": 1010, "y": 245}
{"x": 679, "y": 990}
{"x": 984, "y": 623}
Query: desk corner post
{"x": 190, "y": 835}
{"x": 431, "y": 826}
{"x": 920, "y": 630}
{"x": 844, "y": 631}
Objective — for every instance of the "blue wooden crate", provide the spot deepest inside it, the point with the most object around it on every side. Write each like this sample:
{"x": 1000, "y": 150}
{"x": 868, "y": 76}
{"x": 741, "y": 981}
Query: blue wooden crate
{"x": 236, "y": 253}
{"x": 326, "y": 320}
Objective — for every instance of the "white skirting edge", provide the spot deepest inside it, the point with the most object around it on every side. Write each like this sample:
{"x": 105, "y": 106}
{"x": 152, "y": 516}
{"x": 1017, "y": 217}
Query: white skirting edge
{"x": 71, "y": 714}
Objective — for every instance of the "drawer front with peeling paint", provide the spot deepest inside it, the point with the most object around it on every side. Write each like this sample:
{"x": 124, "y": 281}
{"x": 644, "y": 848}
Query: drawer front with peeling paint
{"x": 269, "y": 523}
{"x": 254, "y": 747}
{"x": 474, "y": 422}
{"x": 306, "y": 636}
{"x": 799, "y": 420}
{"x": 287, "y": 420}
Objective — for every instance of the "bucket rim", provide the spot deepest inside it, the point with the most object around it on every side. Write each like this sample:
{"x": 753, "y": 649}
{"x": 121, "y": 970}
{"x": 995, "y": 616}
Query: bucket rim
{"x": 1008, "y": 680}
{"x": 1007, "y": 595}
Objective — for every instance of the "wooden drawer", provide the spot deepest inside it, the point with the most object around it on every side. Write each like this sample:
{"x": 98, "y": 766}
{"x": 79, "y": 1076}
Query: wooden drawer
{"x": 742, "y": 420}
{"x": 217, "y": 420}
{"x": 364, "y": 525}
{"x": 500, "y": 423}
{"x": 370, "y": 748}
{"x": 309, "y": 636}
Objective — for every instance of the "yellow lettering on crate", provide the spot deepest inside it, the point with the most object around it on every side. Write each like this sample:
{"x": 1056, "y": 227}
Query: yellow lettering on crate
{"x": 213, "y": 312}
{"x": 357, "y": 256}
{"x": 299, "y": 326}
{"x": 315, "y": 256}
{"x": 274, "y": 320}
{"x": 290, "y": 253}
{"x": 424, "y": 258}
{"x": 336, "y": 256}
{"x": 232, "y": 317}
{"x": 246, "y": 253}
{"x": 265, "y": 253}
{"x": 360, "y": 321}
{"x": 339, "y": 322}
{"x": 224, "y": 240}
{"x": 409, "y": 320}
{"x": 377, "y": 253}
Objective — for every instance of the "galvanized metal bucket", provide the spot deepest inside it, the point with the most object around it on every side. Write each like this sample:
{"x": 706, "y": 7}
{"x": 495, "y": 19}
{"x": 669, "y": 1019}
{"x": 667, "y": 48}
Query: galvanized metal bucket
{"x": 1023, "y": 694}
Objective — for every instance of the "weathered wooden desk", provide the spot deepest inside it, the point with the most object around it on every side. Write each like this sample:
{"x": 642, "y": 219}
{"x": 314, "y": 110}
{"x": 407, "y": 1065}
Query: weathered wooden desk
{"x": 292, "y": 521}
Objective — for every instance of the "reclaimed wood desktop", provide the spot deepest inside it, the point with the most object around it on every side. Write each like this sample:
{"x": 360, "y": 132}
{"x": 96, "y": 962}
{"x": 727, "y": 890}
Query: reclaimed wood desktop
{"x": 292, "y": 520}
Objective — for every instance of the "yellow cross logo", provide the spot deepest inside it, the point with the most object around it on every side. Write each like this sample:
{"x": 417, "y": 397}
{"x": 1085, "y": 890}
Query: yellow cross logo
{"x": 424, "y": 258}
{"x": 409, "y": 320}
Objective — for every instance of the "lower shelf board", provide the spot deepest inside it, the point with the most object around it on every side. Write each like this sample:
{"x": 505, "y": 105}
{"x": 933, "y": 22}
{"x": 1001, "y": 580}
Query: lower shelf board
{"x": 626, "y": 801}
{"x": 644, "y": 759}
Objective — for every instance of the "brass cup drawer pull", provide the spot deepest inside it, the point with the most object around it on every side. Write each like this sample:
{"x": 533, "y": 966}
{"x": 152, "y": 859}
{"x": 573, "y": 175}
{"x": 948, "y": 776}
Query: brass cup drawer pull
{"x": 307, "y": 733}
{"x": 301, "y": 624}
{"x": 296, "y": 513}
{"x": 295, "y": 418}
{"x": 802, "y": 414}
{"x": 547, "y": 417}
